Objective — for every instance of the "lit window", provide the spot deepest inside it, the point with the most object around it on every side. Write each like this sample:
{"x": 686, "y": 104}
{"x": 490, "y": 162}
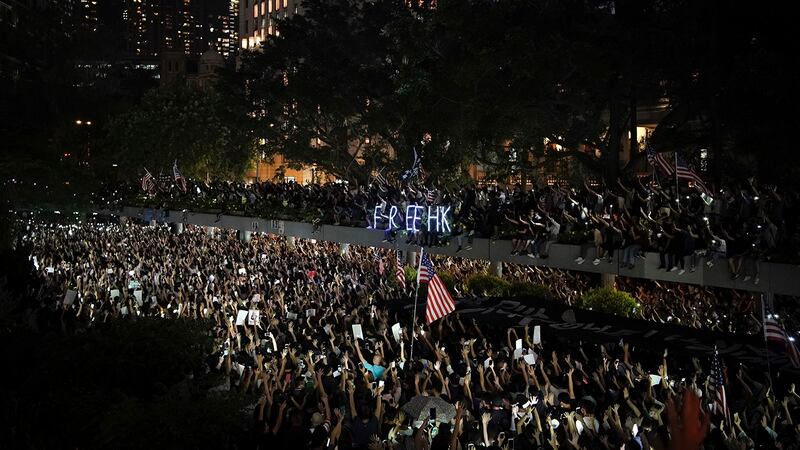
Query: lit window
{"x": 263, "y": 8}
{"x": 285, "y": 3}
{"x": 255, "y": 10}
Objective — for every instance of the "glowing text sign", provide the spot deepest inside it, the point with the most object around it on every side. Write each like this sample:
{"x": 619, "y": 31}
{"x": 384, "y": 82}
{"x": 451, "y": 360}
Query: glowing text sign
{"x": 391, "y": 217}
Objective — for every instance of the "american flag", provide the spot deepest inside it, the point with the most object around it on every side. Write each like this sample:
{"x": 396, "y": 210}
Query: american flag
{"x": 148, "y": 183}
{"x": 657, "y": 160}
{"x": 379, "y": 260}
{"x": 718, "y": 378}
{"x": 774, "y": 332}
{"x": 431, "y": 196}
{"x": 179, "y": 178}
{"x": 685, "y": 172}
{"x": 440, "y": 303}
{"x": 399, "y": 273}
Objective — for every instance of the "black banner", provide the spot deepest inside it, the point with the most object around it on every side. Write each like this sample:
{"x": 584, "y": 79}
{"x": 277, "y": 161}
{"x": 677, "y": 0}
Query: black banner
{"x": 593, "y": 326}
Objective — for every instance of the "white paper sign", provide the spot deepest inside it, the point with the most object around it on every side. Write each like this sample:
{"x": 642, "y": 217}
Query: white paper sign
{"x": 241, "y": 317}
{"x": 114, "y": 293}
{"x": 517, "y": 353}
{"x": 133, "y": 284}
{"x": 50, "y": 270}
{"x": 69, "y": 297}
{"x": 530, "y": 359}
{"x": 487, "y": 362}
{"x": 291, "y": 316}
{"x": 311, "y": 312}
{"x": 396, "y": 331}
{"x": 518, "y": 344}
{"x": 537, "y": 334}
{"x": 242, "y": 271}
{"x": 256, "y": 298}
{"x": 357, "y": 332}
{"x": 253, "y": 317}
{"x": 655, "y": 379}
{"x": 138, "y": 295}
{"x": 124, "y": 310}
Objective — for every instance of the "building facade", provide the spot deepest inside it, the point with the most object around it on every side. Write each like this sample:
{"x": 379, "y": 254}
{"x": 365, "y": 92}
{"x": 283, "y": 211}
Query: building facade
{"x": 257, "y": 19}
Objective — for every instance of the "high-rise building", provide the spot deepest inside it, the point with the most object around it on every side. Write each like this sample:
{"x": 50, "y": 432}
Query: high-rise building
{"x": 190, "y": 26}
{"x": 256, "y": 19}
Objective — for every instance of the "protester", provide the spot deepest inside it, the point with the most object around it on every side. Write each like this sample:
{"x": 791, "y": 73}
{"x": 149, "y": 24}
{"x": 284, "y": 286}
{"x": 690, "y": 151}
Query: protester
{"x": 321, "y": 343}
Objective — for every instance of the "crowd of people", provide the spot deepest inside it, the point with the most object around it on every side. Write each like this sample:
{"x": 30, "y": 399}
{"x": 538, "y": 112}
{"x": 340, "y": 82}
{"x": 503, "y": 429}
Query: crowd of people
{"x": 284, "y": 314}
{"x": 744, "y": 224}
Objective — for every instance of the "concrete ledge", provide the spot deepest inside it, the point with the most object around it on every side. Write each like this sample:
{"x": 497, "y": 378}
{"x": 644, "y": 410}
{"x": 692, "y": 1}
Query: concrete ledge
{"x": 775, "y": 278}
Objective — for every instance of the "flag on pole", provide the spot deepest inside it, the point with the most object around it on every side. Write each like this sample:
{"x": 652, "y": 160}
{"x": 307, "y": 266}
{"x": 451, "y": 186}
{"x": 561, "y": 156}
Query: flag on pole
{"x": 148, "y": 183}
{"x": 685, "y": 172}
{"x": 415, "y": 169}
{"x": 658, "y": 161}
{"x": 439, "y": 303}
{"x": 180, "y": 180}
{"x": 399, "y": 273}
{"x": 718, "y": 378}
{"x": 774, "y": 333}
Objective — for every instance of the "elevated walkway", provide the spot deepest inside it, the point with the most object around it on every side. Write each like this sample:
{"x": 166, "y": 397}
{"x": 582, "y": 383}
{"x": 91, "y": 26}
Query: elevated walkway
{"x": 775, "y": 278}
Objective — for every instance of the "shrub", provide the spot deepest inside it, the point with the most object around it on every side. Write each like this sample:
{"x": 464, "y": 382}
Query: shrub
{"x": 411, "y": 275}
{"x": 483, "y": 284}
{"x": 608, "y": 300}
{"x": 449, "y": 281}
{"x": 526, "y": 289}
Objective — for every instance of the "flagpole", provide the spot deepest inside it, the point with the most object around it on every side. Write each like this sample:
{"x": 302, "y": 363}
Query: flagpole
{"x": 764, "y": 330}
{"x": 677, "y": 186}
{"x": 414, "y": 318}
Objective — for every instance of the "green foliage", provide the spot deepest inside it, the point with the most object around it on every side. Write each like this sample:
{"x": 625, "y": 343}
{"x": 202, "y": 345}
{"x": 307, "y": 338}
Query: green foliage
{"x": 121, "y": 385}
{"x": 411, "y": 275}
{"x": 449, "y": 281}
{"x": 208, "y": 133}
{"x": 526, "y": 289}
{"x": 609, "y": 301}
{"x": 483, "y": 284}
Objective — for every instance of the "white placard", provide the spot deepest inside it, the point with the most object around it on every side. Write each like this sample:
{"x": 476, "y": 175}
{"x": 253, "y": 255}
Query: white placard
{"x": 487, "y": 363}
{"x": 253, "y": 317}
{"x": 518, "y": 344}
{"x": 537, "y": 334}
{"x": 133, "y": 284}
{"x": 114, "y": 293}
{"x": 655, "y": 379}
{"x": 69, "y": 297}
{"x": 138, "y": 296}
{"x": 124, "y": 310}
{"x": 242, "y": 271}
{"x": 241, "y": 317}
{"x": 256, "y": 298}
{"x": 311, "y": 312}
{"x": 517, "y": 353}
{"x": 291, "y": 316}
{"x": 530, "y": 359}
{"x": 50, "y": 269}
{"x": 358, "y": 333}
{"x": 396, "y": 331}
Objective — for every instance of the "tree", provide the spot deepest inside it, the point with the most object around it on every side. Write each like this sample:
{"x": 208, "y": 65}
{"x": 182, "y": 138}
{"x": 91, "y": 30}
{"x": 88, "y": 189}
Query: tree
{"x": 205, "y": 130}
{"x": 121, "y": 385}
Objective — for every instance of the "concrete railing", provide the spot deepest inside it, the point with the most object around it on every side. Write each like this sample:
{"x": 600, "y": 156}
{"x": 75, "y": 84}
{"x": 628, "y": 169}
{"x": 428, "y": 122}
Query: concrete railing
{"x": 774, "y": 278}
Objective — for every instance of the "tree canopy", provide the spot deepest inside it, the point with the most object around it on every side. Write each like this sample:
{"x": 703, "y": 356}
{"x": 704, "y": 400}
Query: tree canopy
{"x": 353, "y": 86}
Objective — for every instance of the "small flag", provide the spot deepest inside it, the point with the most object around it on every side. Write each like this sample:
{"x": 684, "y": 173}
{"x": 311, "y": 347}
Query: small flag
{"x": 657, "y": 160}
{"x": 774, "y": 333}
{"x": 718, "y": 378}
{"x": 686, "y": 173}
{"x": 180, "y": 180}
{"x": 415, "y": 169}
{"x": 148, "y": 183}
{"x": 440, "y": 303}
{"x": 379, "y": 260}
{"x": 431, "y": 197}
{"x": 399, "y": 273}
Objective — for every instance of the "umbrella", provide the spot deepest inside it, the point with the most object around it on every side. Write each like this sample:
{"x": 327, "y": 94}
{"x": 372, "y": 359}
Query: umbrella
{"x": 420, "y": 406}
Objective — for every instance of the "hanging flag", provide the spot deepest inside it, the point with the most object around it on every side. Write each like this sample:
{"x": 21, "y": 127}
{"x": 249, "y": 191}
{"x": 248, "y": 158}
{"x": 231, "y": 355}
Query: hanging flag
{"x": 439, "y": 303}
{"x": 148, "y": 183}
{"x": 686, "y": 173}
{"x": 399, "y": 273}
{"x": 775, "y": 334}
{"x": 180, "y": 180}
{"x": 658, "y": 161}
{"x": 718, "y": 378}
